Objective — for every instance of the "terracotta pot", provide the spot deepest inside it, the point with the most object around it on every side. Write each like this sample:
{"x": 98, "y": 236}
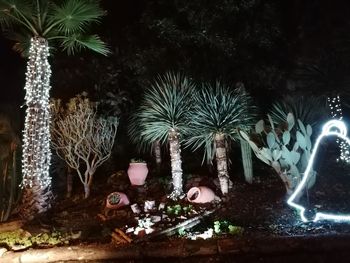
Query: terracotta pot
{"x": 116, "y": 200}
{"x": 200, "y": 194}
{"x": 137, "y": 173}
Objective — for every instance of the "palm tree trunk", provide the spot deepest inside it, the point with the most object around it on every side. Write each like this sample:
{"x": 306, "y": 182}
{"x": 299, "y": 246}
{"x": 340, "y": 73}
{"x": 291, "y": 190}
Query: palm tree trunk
{"x": 176, "y": 170}
{"x": 246, "y": 152}
{"x": 35, "y": 200}
{"x": 157, "y": 154}
{"x": 221, "y": 162}
{"x": 36, "y": 140}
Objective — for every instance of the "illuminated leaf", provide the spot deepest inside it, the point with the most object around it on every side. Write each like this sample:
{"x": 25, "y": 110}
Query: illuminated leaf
{"x": 276, "y": 154}
{"x": 309, "y": 130}
{"x": 244, "y": 135}
{"x": 259, "y": 126}
{"x": 270, "y": 138}
{"x": 286, "y": 137}
{"x": 295, "y": 157}
{"x": 296, "y": 146}
{"x": 266, "y": 153}
{"x": 302, "y": 127}
{"x": 301, "y": 140}
{"x": 290, "y": 121}
{"x": 276, "y": 166}
{"x": 286, "y": 153}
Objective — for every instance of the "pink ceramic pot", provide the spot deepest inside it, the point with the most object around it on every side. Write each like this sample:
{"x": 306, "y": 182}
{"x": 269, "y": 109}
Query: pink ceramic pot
{"x": 137, "y": 173}
{"x": 116, "y": 200}
{"x": 200, "y": 194}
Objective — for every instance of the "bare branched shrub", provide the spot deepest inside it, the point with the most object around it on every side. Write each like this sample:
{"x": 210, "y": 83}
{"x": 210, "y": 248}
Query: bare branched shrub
{"x": 81, "y": 137}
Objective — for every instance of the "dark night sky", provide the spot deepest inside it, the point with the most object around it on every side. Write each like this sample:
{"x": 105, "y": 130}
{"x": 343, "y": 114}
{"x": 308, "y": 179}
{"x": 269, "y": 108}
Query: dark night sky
{"x": 12, "y": 65}
{"x": 12, "y": 69}
{"x": 309, "y": 27}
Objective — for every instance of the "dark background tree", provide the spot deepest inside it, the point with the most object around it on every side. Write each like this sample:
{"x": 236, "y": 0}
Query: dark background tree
{"x": 233, "y": 40}
{"x": 263, "y": 44}
{"x": 254, "y": 41}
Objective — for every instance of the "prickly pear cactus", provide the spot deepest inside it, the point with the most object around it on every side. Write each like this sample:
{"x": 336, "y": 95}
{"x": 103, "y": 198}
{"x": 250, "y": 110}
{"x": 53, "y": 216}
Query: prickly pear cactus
{"x": 286, "y": 148}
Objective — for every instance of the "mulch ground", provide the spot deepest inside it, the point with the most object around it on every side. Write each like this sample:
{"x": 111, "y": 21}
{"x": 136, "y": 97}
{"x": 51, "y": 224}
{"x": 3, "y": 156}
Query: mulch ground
{"x": 260, "y": 209}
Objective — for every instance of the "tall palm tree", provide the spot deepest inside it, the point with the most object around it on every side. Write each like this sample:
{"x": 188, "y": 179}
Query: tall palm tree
{"x": 35, "y": 26}
{"x": 217, "y": 113}
{"x": 162, "y": 116}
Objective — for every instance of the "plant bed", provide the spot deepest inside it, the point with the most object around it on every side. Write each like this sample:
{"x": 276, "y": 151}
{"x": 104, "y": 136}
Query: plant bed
{"x": 258, "y": 210}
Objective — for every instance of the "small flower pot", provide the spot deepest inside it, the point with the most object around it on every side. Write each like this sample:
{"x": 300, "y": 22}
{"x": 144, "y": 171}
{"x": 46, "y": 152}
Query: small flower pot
{"x": 137, "y": 173}
{"x": 200, "y": 194}
{"x": 116, "y": 200}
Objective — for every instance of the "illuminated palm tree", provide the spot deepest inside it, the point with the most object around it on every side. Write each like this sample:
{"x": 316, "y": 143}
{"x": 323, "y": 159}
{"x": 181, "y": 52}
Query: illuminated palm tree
{"x": 35, "y": 26}
{"x": 217, "y": 113}
{"x": 162, "y": 116}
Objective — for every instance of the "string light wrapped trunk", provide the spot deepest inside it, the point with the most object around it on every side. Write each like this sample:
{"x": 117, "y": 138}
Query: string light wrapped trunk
{"x": 334, "y": 105}
{"x": 176, "y": 170}
{"x": 36, "y": 134}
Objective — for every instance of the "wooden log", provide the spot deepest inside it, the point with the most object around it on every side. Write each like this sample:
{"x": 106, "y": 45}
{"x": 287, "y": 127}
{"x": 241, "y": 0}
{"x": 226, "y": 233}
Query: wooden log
{"x": 118, "y": 239}
{"x": 123, "y": 235}
{"x": 189, "y": 223}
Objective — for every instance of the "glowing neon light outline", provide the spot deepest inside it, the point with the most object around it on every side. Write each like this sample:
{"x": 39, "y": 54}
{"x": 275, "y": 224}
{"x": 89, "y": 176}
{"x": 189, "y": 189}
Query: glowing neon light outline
{"x": 327, "y": 130}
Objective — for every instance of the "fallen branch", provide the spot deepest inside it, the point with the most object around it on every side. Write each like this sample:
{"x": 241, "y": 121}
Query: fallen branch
{"x": 189, "y": 223}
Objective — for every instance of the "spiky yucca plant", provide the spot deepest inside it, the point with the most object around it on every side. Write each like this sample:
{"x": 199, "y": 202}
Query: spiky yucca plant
{"x": 307, "y": 109}
{"x": 134, "y": 131}
{"x": 162, "y": 116}
{"x": 35, "y": 26}
{"x": 217, "y": 113}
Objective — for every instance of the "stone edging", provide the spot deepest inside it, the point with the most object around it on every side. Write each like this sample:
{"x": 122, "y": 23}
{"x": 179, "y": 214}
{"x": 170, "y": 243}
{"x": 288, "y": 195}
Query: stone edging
{"x": 182, "y": 248}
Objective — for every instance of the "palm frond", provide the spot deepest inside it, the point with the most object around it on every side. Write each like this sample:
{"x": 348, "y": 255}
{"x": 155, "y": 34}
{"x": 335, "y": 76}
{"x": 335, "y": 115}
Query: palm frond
{"x": 74, "y": 16}
{"x": 17, "y": 13}
{"x": 76, "y": 43}
{"x": 310, "y": 110}
{"x": 66, "y": 23}
{"x": 165, "y": 106}
{"x": 22, "y": 41}
{"x": 134, "y": 132}
{"x": 218, "y": 109}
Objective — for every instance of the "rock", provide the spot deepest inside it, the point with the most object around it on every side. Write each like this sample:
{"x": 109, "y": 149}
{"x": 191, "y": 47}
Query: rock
{"x": 135, "y": 208}
{"x": 149, "y": 205}
{"x": 130, "y": 230}
{"x": 2, "y": 251}
{"x": 20, "y": 247}
{"x": 161, "y": 206}
{"x": 156, "y": 219}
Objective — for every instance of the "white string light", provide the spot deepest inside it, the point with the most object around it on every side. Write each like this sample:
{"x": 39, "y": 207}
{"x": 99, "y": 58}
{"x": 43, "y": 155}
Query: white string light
{"x": 36, "y": 134}
{"x": 176, "y": 169}
{"x": 337, "y": 113}
{"x": 331, "y": 128}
